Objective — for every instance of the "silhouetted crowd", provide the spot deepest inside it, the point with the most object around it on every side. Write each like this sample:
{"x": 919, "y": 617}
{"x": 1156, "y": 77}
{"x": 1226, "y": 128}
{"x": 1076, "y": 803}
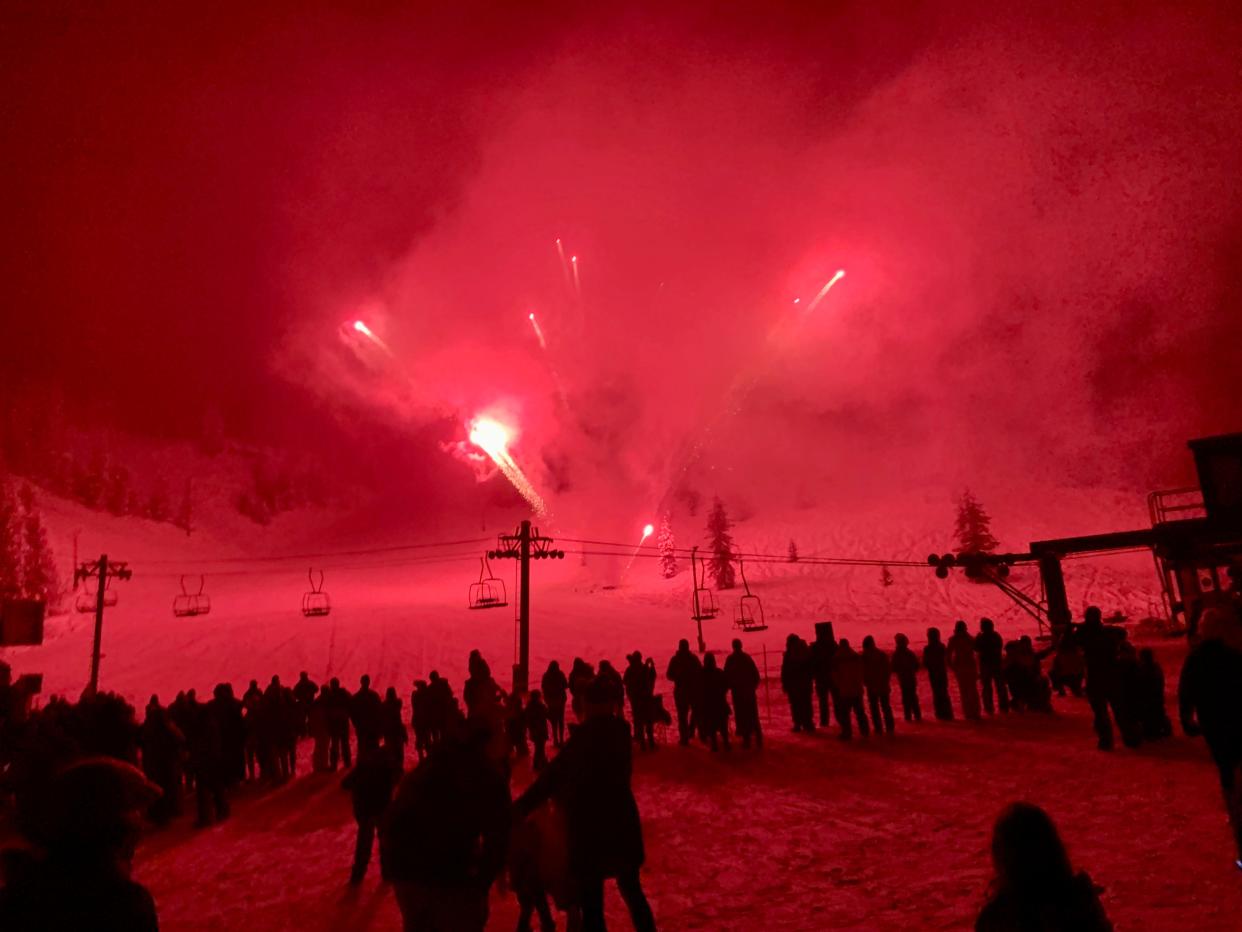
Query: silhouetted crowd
{"x": 449, "y": 827}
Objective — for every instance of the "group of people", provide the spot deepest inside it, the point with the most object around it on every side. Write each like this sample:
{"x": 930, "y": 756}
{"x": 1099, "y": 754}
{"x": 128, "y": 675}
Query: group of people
{"x": 990, "y": 673}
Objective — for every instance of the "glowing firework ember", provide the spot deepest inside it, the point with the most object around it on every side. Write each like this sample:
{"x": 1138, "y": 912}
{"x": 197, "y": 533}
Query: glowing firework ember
{"x": 573, "y": 264}
{"x": 543, "y": 344}
{"x": 648, "y": 530}
{"x": 840, "y": 274}
{"x": 366, "y": 331}
{"x": 492, "y": 438}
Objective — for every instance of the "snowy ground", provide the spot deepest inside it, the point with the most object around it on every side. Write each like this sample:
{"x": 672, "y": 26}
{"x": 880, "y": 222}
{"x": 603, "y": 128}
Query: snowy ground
{"x": 807, "y": 834}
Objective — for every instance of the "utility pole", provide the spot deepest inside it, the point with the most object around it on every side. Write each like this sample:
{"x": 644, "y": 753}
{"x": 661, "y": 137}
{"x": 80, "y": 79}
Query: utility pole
{"x": 698, "y": 609}
{"x": 102, "y": 571}
{"x": 525, "y": 545}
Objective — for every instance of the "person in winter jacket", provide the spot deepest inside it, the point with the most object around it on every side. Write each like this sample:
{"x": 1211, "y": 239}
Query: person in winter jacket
{"x": 877, "y": 676}
{"x": 847, "y": 680}
{"x": 639, "y": 683}
{"x": 743, "y": 678}
{"x": 990, "y": 647}
{"x": 555, "y": 689}
{"x": 715, "y": 707}
{"x": 906, "y": 667}
{"x": 797, "y": 679}
{"x": 537, "y": 728}
{"x": 960, "y": 655}
{"x": 685, "y": 672}
{"x": 370, "y": 785}
{"x": 822, "y": 649}
{"x": 935, "y": 661}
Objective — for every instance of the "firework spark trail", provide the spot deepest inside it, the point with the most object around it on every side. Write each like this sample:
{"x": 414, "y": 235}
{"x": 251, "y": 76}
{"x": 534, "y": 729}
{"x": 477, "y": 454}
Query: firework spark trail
{"x": 493, "y": 439}
{"x": 840, "y": 274}
{"x": 573, "y": 263}
{"x": 543, "y": 344}
{"x": 360, "y": 327}
{"x": 560, "y": 251}
{"x": 648, "y": 530}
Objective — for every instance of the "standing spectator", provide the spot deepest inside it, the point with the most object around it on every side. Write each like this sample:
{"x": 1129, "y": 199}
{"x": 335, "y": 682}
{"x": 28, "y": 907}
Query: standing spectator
{"x": 590, "y": 782}
{"x": 555, "y": 689}
{"x": 906, "y": 668}
{"x": 304, "y": 691}
{"x": 320, "y": 733}
{"x": 338, "y": 724}
{"x": 482, "y": 695}
{"x": 443, "y": 839}
{"x": 366, "y": 713}
{"x": 1035, "y": 887}
{"x": 877, "y": 676}
{"x": 580, "y": 675}
{"x": 797, "y": 679}
{"x": 392, "y": 726}
{"x": 1209, "y": 698}
{"x": 441, "y": 707}
{"x": 685, "y": 672}
{"x": 989, "y": 646}
{"x": 1068, "y": 667}
{"x": 252, "y": 709}
{"x": 715, "y": 703}
{"x": 420, "y": 718}
{"x": 611, "y": 681}
{"x": 742, "y": 675}
{"x": 847, "y": 682}
{"x": 960, "y": 654}
{"x": 537, "y": 728}
{"x": 936, "y": 663}
{"x": 822, "y": 650}
{"x": 639, "y": 683}
{"x": 370, "y": 786}
{"x": 1100, "y": 650}
{"x": 515, "y": 724}
{"x": 162, "y": 746}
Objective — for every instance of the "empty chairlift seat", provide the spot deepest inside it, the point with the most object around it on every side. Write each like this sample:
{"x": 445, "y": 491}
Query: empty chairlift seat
{"x": 315, "y": 603}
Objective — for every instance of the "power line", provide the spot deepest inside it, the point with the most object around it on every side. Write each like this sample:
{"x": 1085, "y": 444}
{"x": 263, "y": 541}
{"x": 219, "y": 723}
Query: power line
{"x": 273, "y": 558}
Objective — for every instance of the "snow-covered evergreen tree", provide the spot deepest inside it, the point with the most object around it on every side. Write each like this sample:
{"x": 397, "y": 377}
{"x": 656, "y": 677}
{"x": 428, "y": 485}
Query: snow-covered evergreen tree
{"x": 973, "y": 530}
{"x": 793, "y": 551}
{"x": 10, "y": 541}
{"x": 666, "y": 543}
{"x": 721, "y": 563}
{"x": 38, "y": 567}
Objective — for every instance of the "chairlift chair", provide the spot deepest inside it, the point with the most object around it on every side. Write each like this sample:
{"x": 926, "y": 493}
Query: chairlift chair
{"x": 191, "y": 604}
{"x": 315, "y": 603}
{"x": 749, "y": 614}
{"x": 704, "y": 599}
{"x": 88, "y": 599}
{"x": 489, "y": 591}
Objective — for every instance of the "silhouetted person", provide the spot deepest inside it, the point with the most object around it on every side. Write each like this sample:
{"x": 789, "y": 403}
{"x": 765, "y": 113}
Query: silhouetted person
{"x": 76, "y": 874}
{"x": 1209, "y": 698}
{"x": 252, "y": 712}
{"x": 441, "y": 707}
{"x": 421, "y": 717}
{"x": 877, "y": 677}
{"x": 443, "y": 839}
{"x": 580, "y": 676}
{"x": 1130, "y": 693}
{"x": 590, "y": 782}
{"x": 1035, "y": 888}
{"x": 366, "y": 713}
{"x": 555, "y": 689}
{"x": 482, "y": 695}
{"x": 392, "y": 727}
{"x": 685, "y": 672}
{"x": 607, "y": 675}
{"x": 847, "y": 683}
{"x": 742, "y": 675}
{"x": 935, "y": 661}
{"x": 797, "y": 680}
{"x": 715, "y": 704}
{"x": 184, "y": 712}
{"x": 304, "y": 691}
{"x": 1100, "y": 645}
{"x": 639, "y": 680}
{"x": 990, "y": 648}
{"x": 533, "y": 869}
{"x": 1152, "y": 714}
{"x": 162, "y": 747}
{"x": 515, "y": 724}
{"x": 370, "y": 784}
{"x": 537, "y": 728}
{"x": 960, "y": 655}
{"x": 208, "y": 756}
{"x": 822, "y": 650}
{"x": 338, "y": 724}
{"x": 906, "y": 667}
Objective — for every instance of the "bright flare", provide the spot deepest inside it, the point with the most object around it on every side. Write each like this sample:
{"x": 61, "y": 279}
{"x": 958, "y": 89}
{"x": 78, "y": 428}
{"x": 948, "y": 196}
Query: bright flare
{"x": 840, "y": 274}
{"x": 492, "y": 438}
{"x": 543, "y": 344}
{"x": 366, "y": 331}
{"x": 648, "y": 530}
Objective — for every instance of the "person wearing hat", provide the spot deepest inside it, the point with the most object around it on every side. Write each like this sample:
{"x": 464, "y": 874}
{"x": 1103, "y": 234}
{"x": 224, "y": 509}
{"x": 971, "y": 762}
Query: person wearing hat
{"x": 590, "y": 783}
{"x": 82, "y": 836}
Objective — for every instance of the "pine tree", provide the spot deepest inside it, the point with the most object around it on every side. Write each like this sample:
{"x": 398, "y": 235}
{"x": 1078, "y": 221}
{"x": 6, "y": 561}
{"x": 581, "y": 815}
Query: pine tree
{"x": 721, "y": 563}
{"x": 668, "y": 557}
{"x": 38, "y": 567}
{"x": 10, "y": 541}
{"x": 793, "y": 551}
{"x": 973, "y": 529}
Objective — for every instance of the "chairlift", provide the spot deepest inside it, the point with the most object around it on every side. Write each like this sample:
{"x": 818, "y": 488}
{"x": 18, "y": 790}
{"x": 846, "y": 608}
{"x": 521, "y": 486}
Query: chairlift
{"x": 749, "y": 613}
{"x": 191, "y": 604}
{"x": 489, "y": 591}
{"x": 88, "y": 599}
{"x": 315, "y": 604}
{"x": 704, "y": 604}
